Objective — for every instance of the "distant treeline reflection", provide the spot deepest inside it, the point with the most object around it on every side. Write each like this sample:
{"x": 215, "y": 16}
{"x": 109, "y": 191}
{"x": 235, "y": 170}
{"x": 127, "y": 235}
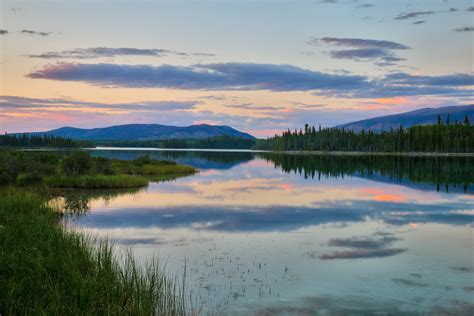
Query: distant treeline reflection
{"x": 198, "y": 159}
{"x": 444, "y": 173}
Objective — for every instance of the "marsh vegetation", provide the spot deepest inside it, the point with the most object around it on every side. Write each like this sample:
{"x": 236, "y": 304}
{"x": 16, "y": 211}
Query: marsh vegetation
{"x": 45, "y": 269}
{"x": 77, "y": 169}
{"x": 48, "y": 269}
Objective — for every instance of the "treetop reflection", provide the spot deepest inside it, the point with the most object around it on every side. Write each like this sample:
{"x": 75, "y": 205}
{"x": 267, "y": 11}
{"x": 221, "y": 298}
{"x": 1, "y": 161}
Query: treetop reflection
{"x": 444, "y": 173}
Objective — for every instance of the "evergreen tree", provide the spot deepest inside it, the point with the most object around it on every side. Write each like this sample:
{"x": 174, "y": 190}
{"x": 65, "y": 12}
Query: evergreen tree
{"x": 428, "y": 138}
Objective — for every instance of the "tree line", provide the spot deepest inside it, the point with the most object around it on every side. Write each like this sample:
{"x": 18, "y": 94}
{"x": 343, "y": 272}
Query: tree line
{"x": 217, "y": 142}
{"x": 441, "y": 137}
{"x": 37, "y": 140}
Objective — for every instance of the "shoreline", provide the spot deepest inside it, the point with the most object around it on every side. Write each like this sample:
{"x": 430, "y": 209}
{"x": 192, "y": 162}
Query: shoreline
{"x": 367, "y": 153}
{"x": 289, "y": 152}
{"x": 294, "y": 152}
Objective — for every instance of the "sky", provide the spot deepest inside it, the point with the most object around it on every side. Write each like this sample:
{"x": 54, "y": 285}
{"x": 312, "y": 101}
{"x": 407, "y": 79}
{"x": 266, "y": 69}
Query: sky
{"x": 259, "y": 66}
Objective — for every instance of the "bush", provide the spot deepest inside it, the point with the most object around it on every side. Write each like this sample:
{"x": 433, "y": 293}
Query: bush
{"x": 143, "y": 160}
{"x": 77, "y": 163}
{"x": 25, "y": 179}
{"x": 103, "y": 166}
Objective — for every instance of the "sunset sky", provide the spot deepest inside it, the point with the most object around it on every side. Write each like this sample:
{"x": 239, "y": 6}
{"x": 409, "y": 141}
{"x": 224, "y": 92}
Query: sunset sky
{"x": 258, "y": 66}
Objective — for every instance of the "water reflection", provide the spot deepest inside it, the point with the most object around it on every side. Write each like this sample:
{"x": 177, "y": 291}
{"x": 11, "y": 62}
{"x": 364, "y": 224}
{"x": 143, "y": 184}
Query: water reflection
{"x": 78, "y": 202}
{"x": 198, "y": 159}
{"x": 442, "y": 173}
{"x": 446, "y": 174}
{"x": 264, "y": 237}
{"x": 278, "y": 218}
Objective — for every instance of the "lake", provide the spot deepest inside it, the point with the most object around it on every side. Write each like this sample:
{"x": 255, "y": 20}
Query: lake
{"x": 268, "y": 234}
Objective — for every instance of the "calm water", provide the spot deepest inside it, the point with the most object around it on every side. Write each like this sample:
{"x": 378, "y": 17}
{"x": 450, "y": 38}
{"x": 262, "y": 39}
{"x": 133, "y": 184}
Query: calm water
{"x": 302, "y": 235}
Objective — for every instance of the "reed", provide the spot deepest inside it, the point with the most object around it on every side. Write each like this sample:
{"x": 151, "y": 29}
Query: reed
{"x": 47, "y": 270}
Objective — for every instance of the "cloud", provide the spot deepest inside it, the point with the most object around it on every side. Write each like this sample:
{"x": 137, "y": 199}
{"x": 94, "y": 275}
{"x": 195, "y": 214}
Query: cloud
{"x": 30, "y": 32}
{"x": 3, "y": 32}
{"x": 336, "y": 1}
{"x": 403, "y": 84}
{"x": 249, "y": 76}
{"x": 15, "y": 102}
{"x": 362, "y": 242}
{"x": 464, "y": 29}
{"x": 470, "y": 9}
{"x": 203, "y": 54}
{"x": 365, "y": 54}
{"x": 101, "y": 52}
{"x": 86, "y": 53}
{"x": 363, "y": 43}
{"x": 376, "y": 246}
{"x": 361, "y": 6}
{"x": 250, "y": 106}
{"x": 409, "y": 282}
{"x": 362, "y": 253}
{"x": 463, "y": 269}
{"x": 402, "y": 78}
{"x": 410, "y": 15}
{"x": 302, "y": 105}
{"x": 378, "y": 51}
{"x": 36, "y": 114}
{"x": 419, "y": 22}
{"x": 225, "y": 76}
{"x": 225, "y": 217}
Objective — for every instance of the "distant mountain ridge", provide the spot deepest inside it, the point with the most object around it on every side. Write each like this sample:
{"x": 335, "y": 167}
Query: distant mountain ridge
{"x": 146, "y": 132}
{"x": 423, "y": 116}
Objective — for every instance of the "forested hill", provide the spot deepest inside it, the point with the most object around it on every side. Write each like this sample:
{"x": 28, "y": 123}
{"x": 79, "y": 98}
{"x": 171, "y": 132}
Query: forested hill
{"x": 441, "y": 137}
{"x": 427, "y": 116}
{"x": 140, "y": 132}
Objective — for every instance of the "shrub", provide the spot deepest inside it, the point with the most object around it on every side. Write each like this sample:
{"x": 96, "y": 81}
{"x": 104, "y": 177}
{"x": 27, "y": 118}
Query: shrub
{"x": 25, "y": 179}
{"x": 103, "y": 165}
{"x": 77, "y": 163}
{"x": 143, "y": 160}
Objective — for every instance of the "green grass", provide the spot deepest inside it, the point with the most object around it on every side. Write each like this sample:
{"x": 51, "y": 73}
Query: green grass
{"x": 167, "y": 169}
{"x": 45, "y": 270}
{"x": 96, "y": 182}
{"x": 150, "y": 167}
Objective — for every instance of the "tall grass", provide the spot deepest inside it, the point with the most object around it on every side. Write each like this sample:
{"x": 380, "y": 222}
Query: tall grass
{"x": 45, "y": 270}
{"x": 96, "y": 181}
{"x": 167, "y": 169}
{"x": 150, "y": 167}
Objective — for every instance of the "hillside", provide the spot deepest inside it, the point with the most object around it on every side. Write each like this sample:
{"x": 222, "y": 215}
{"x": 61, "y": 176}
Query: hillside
{"x": 147, "y": 132}
{"x": 419, "y": 117}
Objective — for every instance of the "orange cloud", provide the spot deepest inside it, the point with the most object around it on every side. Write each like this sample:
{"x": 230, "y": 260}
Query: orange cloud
{"x": 380, "y": 195}
{"x": 392, "y": 101}
{"x": 287, "y": 186}
{"x": 389, "y": 198}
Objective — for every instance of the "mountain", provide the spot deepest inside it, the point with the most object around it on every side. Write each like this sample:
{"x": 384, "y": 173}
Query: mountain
{"x": 419, "y": 117}
{"x": 146, "y": 132}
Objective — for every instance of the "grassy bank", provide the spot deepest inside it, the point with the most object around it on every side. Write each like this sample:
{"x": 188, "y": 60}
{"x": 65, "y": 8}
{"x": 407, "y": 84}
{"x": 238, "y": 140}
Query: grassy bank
{"x": 78, "y": 169}
{"x": 96, "y": 182}
{"x": 45, "y": 270}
